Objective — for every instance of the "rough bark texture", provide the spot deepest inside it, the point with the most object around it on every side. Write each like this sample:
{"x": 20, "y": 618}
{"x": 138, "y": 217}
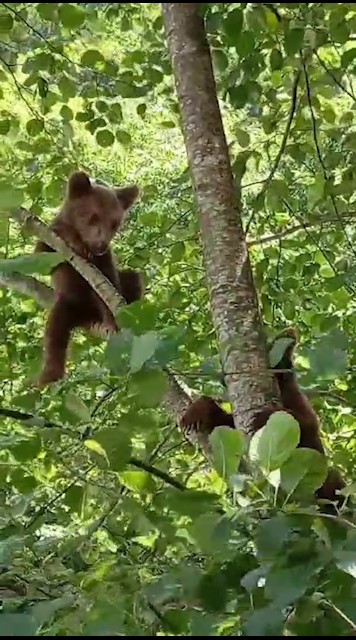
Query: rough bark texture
{"x": 233, "y": 297}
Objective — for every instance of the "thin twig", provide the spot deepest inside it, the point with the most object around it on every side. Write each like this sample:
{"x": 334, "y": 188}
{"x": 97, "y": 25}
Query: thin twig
{"x": 330, "y": 73}
{"x": 319, "y": 154}
{"x": 298, "y": 227}
{"x": 340, "y": 613}
{"x": 162, "y": 475}
{"x": 280, "y": 153}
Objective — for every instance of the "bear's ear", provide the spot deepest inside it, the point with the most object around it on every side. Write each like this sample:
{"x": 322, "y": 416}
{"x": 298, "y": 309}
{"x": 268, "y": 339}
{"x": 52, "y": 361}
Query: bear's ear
{"x": 78, "y": 185}
{"x": 128, "y": 196}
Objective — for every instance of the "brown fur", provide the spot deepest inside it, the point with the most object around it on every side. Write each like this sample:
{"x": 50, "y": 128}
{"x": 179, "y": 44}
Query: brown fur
{"x": 90, "y": 217}
{"x": 204, "y": 414}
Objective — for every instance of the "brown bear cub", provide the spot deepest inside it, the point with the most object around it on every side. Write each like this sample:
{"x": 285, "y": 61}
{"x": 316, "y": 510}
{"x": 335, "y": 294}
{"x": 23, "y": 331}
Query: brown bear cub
{"x": 204, "y": 414}
{"x": 89, "y": 218}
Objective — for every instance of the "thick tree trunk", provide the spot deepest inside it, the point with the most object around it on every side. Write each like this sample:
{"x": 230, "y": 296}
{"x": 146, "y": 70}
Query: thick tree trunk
{"x": 233, "y": 297}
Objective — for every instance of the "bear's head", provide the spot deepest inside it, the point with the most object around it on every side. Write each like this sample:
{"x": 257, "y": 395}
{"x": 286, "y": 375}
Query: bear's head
{"x": 95, "y": 211}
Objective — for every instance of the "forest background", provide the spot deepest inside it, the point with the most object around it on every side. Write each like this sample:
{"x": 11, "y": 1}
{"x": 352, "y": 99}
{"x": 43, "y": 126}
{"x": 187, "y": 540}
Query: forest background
{"x": 110, "y": 522}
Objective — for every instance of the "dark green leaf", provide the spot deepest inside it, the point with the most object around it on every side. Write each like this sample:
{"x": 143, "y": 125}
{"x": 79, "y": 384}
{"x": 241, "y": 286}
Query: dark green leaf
{"x": 268, "y": 621}
{"x": 105, "y": 138}
{"x": 232, "y": 25}
{"x": 34, "y": 127}
{"x": 70, "y": 15}
{"x": 276, "y": 59}
{"x": 5, "y": 126}
{"x": 6, "y": 22}
{"x": 91, "y": 57}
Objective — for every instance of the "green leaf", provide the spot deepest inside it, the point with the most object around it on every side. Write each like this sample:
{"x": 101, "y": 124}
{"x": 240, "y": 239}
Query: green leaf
{"x": 212, "y": 533}
{"x": 348, "y": 57}
{"x": 105, "y": 138}
{"x": 271, "y": 535}
{"x": 220, "y": 59}
{"x": 118, "y": 450}
{"x": 141, "y": 109}
{"x": 6, "y": 22}
{"x": 75, "y": 405}
{"x": 149, "y": 387}
{"x": 47, "y": 10}
{"x": 37, "y": 263}
{"x": 329, "y": 358}
{"x": 5, "y": 126}
{"x": 91, "y": 58}
{"x": 27, "y": 449}
{"x": 232, "y": 25}
{"x": 276, "y": 60}
{"x": 143, "y": 348}
{"x": 34, "y": 127}
{"x": 118, "y": 350}
{"x": 242, "y": 137}
{"x": 137, "y": 481}
{"x": 272, "y": 445}
{"x": 70, "y": 15}
{"x": 93, "y": 445}
{"x": 268, "y": 621}
{"x": 271, "y": 19}
{"x": 239, "y": 95}
{"x": 346, "y": 561}
{"x": 286, "y": 585}
{"x": 293, "y": 40}
{"x": 227, "y": 448}
{"x": 74, "y": 498}
{"x": 10, "y": 197}
{"x": 278, "y": 350}
{"x": 123, "y": 137}
{"x": 67, "y": 87}
{"x": 66, "y": 113}
{"x": 306, "y": 469}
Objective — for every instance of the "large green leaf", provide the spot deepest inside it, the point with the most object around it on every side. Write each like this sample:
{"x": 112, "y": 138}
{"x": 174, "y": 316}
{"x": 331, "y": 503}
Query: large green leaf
{"x": 272, "y": 445}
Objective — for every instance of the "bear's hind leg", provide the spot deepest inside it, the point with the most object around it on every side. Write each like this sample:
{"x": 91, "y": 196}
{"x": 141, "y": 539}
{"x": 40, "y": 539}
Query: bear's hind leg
{"x": 61, "y": 321}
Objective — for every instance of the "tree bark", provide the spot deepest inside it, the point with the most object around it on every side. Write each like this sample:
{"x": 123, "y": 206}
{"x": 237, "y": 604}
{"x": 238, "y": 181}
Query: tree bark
{"x": 233, "y": 297}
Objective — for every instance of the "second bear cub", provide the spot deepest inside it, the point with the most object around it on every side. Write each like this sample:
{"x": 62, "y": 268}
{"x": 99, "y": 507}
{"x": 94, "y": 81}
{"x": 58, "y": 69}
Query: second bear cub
{"x": 89, "y": 218}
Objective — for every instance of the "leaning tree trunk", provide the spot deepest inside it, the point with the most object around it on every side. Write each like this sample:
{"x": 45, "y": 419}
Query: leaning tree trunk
{"x": 232, "y": 292}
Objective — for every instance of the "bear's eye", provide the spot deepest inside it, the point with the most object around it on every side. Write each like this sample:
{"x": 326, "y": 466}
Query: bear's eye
{"x": 94, "y": 219}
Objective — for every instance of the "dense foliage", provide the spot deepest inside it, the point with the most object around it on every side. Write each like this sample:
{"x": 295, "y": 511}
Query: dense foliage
{"x": 110, "y": 524}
